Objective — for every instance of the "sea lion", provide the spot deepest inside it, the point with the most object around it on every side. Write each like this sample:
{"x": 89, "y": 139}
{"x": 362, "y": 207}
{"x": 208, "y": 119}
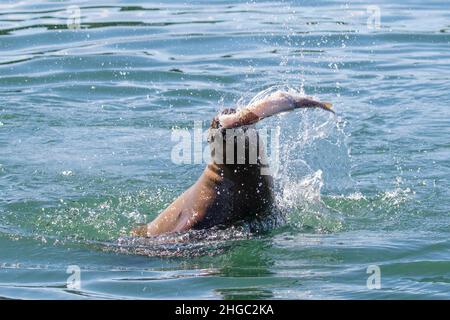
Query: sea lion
{"x": 232, "y": 187}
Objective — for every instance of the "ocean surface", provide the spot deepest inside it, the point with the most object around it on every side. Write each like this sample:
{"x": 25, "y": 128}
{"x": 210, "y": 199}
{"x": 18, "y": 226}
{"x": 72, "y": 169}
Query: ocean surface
{"x": 92, "y": 91}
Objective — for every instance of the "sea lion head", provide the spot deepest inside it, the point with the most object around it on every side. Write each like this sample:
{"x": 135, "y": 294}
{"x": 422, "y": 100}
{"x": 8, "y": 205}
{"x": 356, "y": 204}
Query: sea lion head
{"x": 243, "y": 142}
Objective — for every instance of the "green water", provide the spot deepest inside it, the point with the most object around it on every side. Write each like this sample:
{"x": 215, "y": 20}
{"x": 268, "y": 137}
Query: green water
{"x": 86, "y": 117}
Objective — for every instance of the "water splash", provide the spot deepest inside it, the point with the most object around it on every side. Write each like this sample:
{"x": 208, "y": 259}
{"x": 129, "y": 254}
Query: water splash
{"x": 100, "y": 218}
{"x": 313, "y": 157}
{"x": 208, "y": 242}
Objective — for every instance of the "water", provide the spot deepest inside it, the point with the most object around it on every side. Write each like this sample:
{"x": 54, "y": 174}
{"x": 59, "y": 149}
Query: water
{"x": 86, "y": 117}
